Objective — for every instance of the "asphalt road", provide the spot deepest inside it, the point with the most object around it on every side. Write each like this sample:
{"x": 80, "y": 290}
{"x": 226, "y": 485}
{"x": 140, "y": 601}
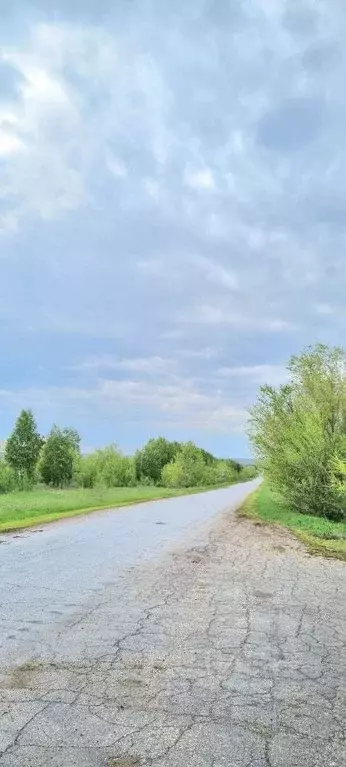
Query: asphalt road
{"x": 201, "y": 642}
{"x": 48, "y": 575}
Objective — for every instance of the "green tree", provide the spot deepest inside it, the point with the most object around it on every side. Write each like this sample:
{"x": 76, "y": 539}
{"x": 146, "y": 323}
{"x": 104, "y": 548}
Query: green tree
{"x": 188, "y": 469}
{"x": 299, "y": 432}
{"x": 73, "y": 437}
{"x": 235, "y": 465}
{"x": 23, "y": 447}
{"x": 151, "y": 459}
{"x": 59, "y": 456}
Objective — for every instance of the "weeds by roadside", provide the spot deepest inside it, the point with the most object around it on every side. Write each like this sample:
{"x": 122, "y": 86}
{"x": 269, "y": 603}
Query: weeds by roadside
{"x": 322, "y": 536}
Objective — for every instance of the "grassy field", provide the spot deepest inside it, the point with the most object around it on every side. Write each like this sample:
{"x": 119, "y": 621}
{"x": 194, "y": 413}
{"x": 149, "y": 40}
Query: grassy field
{"x": 25, "y": 509}
{"x": 322, "y": 536}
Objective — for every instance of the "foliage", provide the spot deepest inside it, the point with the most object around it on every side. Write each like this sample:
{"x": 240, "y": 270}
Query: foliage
{"x": 23, "y": 447}
{"x": 193, "y": 467}
{"x": 247, "y": 472}
{"x": 235, "y": 465}
{"x": 58, "y": 462}
{"x": 187, "y": 470}
{"x": 59, "y": 456}
{"x": 223, "y": 473}
{"x": 151, "y": 459}
{"x": 108, "y": 468}
{"x": 299, "y": 433}
{"x": 8, "y": 478}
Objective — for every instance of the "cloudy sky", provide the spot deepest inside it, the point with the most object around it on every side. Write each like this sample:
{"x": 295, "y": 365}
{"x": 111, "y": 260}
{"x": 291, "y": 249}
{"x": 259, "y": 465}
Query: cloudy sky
{"x": 172, "y": 209}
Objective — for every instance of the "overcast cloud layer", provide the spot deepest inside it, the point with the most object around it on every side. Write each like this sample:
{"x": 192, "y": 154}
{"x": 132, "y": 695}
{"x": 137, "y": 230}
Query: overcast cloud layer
{"x": 172, "y": 209}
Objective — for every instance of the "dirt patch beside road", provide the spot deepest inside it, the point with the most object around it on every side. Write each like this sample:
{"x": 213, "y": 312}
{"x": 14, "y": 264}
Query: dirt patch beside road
{"x": 230, "y": 653}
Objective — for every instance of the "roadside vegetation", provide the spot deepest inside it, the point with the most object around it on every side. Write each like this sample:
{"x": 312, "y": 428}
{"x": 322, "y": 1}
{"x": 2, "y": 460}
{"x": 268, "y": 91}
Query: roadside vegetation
{"x": 321, "y": 535}
{"x": 298, "y": 432}
{"x": 45, "y": 478}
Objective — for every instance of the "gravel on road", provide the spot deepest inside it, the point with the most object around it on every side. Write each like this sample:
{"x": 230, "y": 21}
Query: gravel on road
{"x": 228, "y": 652}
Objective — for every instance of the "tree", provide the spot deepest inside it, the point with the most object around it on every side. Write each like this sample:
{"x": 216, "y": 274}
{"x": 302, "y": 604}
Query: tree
{"x": 299, "y": 432}
{"x": 153, "y": 457}
{"x": 59, "y": 455}
{"x": 188, "y": 469}
{"x": 234, "y": 465}
{"x": 23, "y": 447}
{"x": 73, "y": 438}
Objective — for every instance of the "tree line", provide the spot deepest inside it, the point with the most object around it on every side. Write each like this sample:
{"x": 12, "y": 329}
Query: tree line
{"x": 57, "y": 461}
{"x": 298, "y": 431}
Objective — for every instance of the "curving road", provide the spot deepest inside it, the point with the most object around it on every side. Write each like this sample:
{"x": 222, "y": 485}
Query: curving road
{"x": 170, "y": 635}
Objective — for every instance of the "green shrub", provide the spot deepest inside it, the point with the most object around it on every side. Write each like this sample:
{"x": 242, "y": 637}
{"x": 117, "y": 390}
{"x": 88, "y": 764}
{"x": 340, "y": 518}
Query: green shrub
{"x": 87, "y": 473}
{"x": 247, "y": 472}
{"x": 193, "y": 467}
{"x": 188, "y": 469}
{"x": 224, "y": 473}
{"x": 107, "y": 468}
{"x": 8, "y": 478}
{"x": 299, "y": 433}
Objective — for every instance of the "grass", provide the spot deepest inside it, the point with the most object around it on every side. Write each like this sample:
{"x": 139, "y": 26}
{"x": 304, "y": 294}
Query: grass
{"x": 37, "y": 507}
{"x": 321, "y": 536}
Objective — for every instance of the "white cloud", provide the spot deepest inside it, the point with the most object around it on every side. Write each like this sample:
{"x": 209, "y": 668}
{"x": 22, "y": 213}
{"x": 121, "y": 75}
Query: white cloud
{"x": 273, "y": 375}
{"x": 325, "y": 309}
{"x": 62, "y": 132}
{"x": 216, "y": 272}
{"x": 9, "y": 144}
{"x": 152, "y": 188}
{"x": 153, "y": 365}
{"x": 179, "y": 404}
{"x": 218, "y": 314}
{"x": 43, "y": 147}
{"x": 200, "y": 180}
{"x": 116, "y": 167}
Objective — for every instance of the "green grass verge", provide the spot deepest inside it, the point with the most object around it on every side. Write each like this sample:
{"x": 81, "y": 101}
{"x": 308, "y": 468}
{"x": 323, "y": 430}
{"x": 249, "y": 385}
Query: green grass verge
{"x": 37, "y": 507}
{"x": 321, "y": 536}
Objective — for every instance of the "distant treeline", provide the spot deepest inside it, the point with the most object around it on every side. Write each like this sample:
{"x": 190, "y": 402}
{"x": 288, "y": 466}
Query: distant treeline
{"x": 56, "y": 460}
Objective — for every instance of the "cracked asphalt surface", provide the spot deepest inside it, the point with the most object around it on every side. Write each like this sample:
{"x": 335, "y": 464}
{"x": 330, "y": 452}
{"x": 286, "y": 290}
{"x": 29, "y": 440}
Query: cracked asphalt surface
{"x": 222, "y": 645}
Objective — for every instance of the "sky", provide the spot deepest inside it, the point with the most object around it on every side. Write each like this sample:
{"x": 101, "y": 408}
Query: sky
{"x": 172, "y": 210}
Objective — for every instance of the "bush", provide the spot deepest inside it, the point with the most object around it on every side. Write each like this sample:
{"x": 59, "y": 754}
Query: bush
{"x": 87, "y": 471}
{"x": 193, "y": 467}
{"x": 8, "y": 478}
{"x": 247, "y": 472}
{"x": 225, "y": 473}
{"x": 107, "y": 467}
{"x": 188, "y": 469}
{"x": 299, "y": 433}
